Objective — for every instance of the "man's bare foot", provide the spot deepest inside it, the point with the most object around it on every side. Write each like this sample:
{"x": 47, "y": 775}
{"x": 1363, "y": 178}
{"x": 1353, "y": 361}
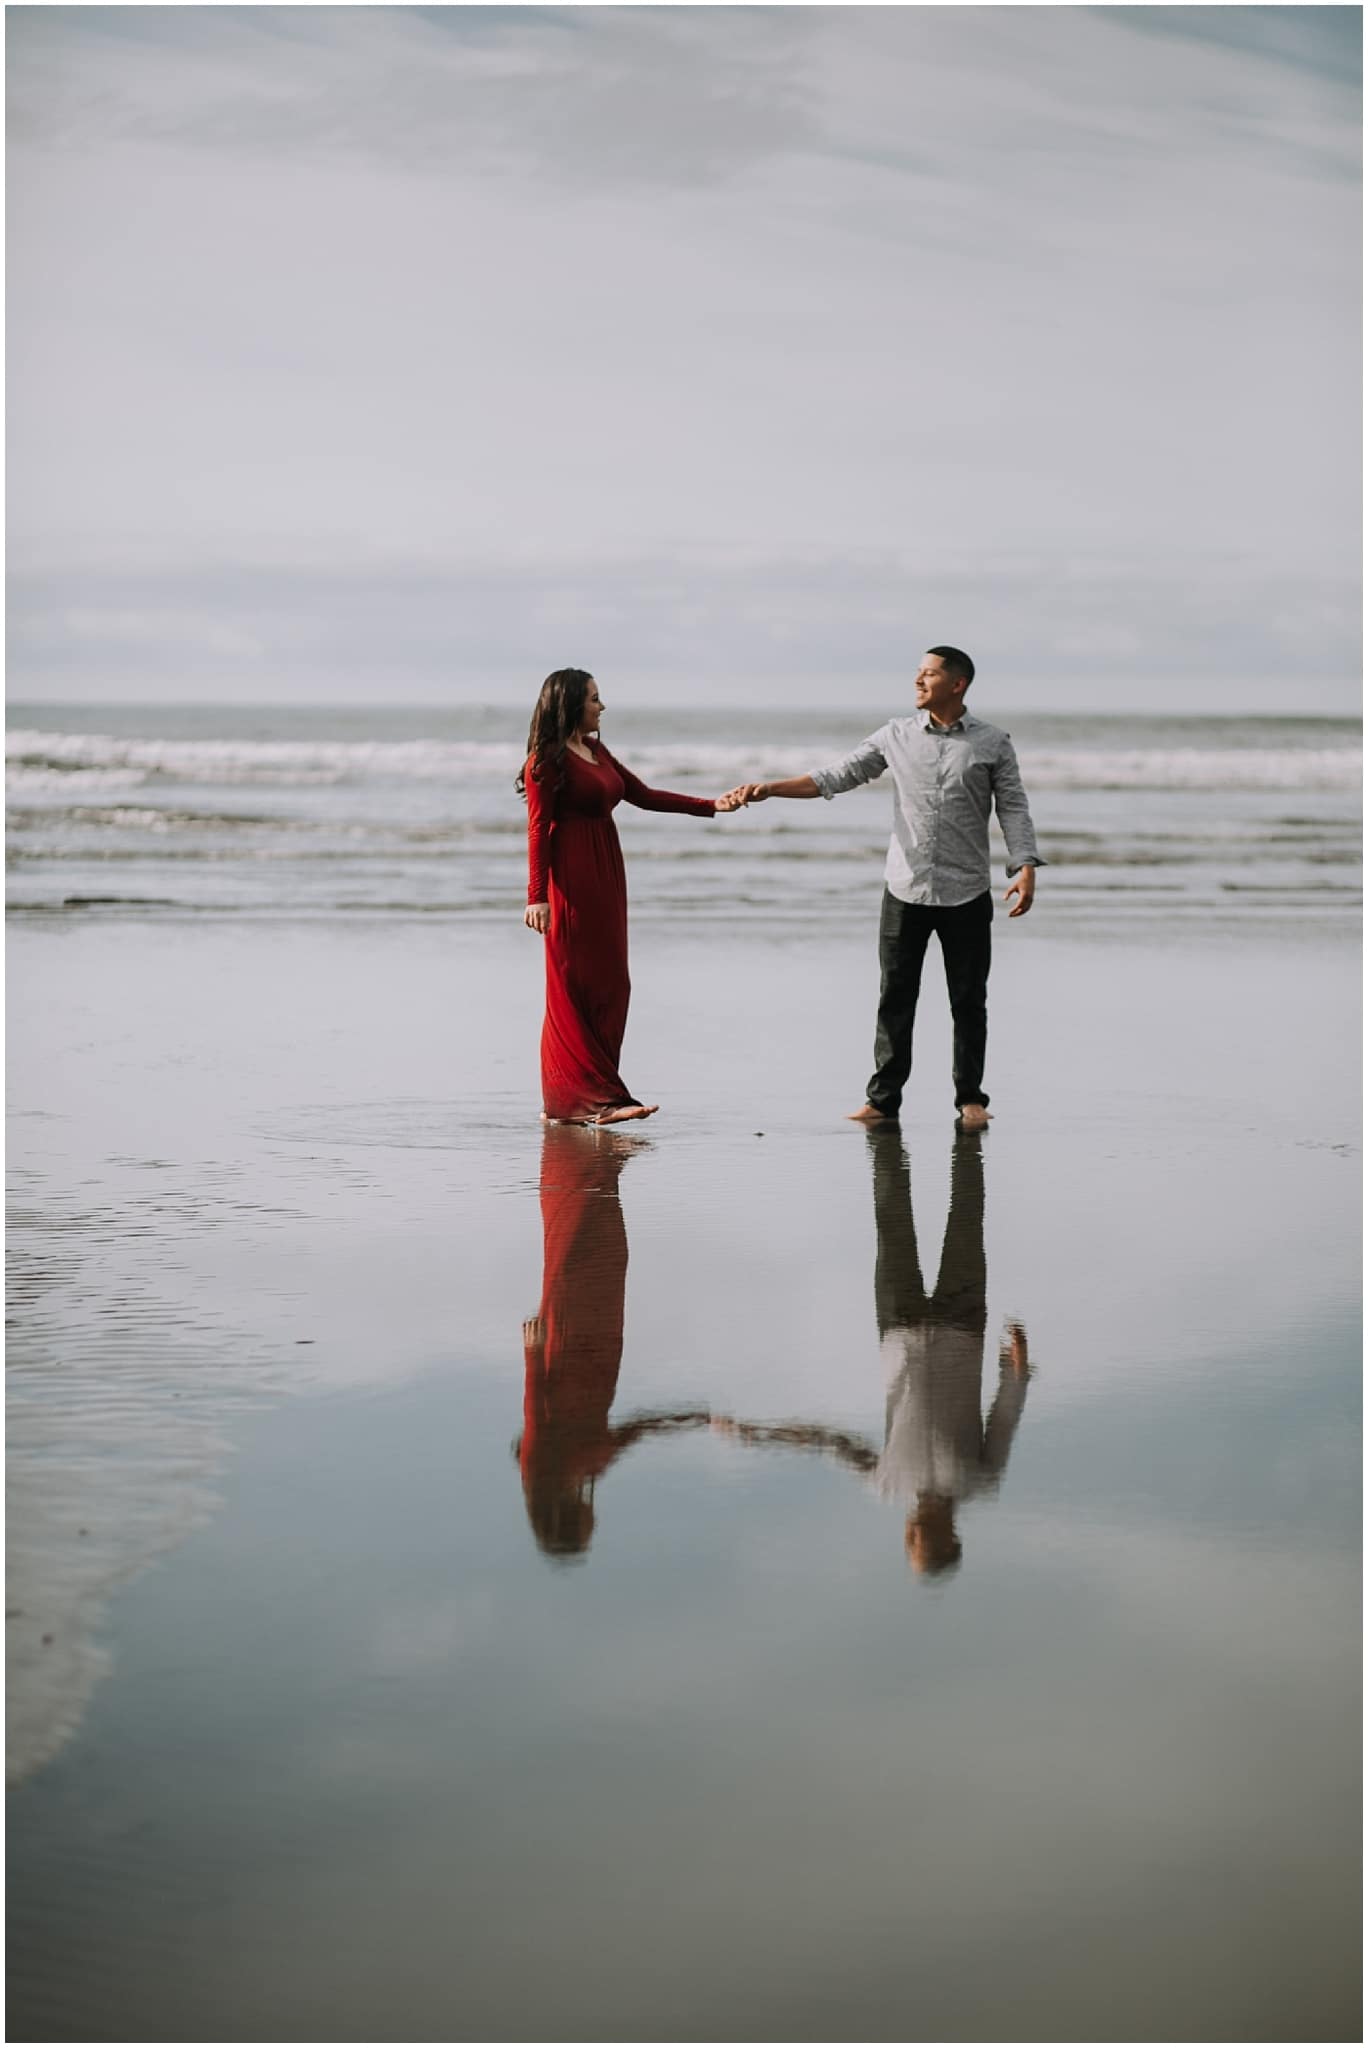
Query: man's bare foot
{"x": 869, "y": 1115}
{"x": 974, "y": 1117}
{"x": 630, "y": 1112}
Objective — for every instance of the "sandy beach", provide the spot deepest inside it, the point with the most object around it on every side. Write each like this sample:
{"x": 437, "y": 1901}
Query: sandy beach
{"x": 312, "y": 1737}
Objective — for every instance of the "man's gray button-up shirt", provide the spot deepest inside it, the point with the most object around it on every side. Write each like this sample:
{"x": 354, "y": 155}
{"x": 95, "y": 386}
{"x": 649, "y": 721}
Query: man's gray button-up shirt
{"x": 946, "y": 780}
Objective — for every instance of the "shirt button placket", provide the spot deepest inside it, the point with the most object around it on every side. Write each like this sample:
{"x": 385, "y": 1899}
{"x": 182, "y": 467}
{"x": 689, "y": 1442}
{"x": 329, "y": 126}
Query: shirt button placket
{"x": 942, "y": 765}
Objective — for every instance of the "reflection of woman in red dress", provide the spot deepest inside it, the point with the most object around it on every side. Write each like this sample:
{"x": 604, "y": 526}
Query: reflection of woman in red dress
{"x": 573, "y": 1345}
{"x": 577, "y": 897}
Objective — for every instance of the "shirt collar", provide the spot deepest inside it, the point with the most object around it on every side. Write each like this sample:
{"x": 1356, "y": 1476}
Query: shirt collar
{"x": 924, "y": 721}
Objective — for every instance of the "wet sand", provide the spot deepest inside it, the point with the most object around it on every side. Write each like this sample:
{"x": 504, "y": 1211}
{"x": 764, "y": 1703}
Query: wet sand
{"x": 460, "y": 1582}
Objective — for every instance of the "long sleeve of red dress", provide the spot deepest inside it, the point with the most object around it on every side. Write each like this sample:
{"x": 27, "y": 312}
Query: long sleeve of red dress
{"x": 541, "y": 815}
{"x": 574, "y": 864}
{"x": 542, "y": 806}
{"x": 635, "y": 792}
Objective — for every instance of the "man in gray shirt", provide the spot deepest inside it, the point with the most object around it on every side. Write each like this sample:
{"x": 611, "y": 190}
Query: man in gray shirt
{"x": 949, "y": 771}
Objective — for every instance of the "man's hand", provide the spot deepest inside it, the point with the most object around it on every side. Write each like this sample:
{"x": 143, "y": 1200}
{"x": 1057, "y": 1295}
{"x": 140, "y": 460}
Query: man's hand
{"x": 537, "y": 918}
{"x": 1012, "y": 1352}
{"x": 1022, "y": 887}
{"x": 756, "y": 792}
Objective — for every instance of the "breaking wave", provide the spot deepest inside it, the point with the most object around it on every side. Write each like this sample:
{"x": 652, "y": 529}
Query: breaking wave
{"x": 84, "y": 764}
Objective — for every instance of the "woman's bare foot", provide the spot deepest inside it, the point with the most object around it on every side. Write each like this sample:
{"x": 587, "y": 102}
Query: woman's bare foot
{"x": 974, "y": 1117}
{"x": 869, "y": 1115}
{"x": 630, "y": 1112}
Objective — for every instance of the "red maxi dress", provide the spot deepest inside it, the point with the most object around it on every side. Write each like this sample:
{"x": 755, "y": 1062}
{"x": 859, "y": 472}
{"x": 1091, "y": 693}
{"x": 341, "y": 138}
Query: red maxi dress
{"x": 574, "y": 863}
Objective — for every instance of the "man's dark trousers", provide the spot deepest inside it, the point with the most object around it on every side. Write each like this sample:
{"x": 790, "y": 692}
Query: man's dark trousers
{"x": 965, "y": 932}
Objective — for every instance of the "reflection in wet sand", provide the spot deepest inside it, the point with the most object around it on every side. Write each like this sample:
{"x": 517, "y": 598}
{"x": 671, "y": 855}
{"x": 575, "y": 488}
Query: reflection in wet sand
{"x": 573, "y": 1345}
{"x": 938, "y": 1449}
{"x": 120, "y": 1391}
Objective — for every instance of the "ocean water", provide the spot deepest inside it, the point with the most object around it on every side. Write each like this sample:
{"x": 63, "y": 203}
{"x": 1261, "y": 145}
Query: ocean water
{"x": 413, "y": 812}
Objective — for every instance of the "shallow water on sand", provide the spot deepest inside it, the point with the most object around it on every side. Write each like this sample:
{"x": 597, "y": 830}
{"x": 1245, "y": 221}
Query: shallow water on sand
{"x": 742, "y": 1579}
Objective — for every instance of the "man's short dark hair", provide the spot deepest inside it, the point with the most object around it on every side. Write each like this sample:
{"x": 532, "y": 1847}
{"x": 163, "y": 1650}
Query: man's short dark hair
{"x": 957, "y": 661}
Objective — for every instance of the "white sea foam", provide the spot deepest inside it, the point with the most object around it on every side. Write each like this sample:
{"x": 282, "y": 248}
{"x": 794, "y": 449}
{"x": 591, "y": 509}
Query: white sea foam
{"x": 24, "y": 779}
{"x": 1216, "y": 768}
{"x": 86, "y": 762}
{"x": 30, "y": 753}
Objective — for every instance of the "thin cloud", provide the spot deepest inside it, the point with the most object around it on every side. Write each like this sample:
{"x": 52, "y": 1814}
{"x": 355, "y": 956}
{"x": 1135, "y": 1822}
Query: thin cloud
{"x": 813, "y": 625}
{"x": 913, "y": 303}
{"x": 681, "y": 96}
{"x": 674, "y": 96}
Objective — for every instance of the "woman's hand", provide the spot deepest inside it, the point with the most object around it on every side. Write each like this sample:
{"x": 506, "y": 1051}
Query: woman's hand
{"x": 537, "y": 918}
{"x": 730, "y": 802}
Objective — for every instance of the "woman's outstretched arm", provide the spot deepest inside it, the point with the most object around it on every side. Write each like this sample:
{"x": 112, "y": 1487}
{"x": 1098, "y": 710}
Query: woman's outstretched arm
{"x": 636, "y": 792}
{"x": 636, "y": 1426}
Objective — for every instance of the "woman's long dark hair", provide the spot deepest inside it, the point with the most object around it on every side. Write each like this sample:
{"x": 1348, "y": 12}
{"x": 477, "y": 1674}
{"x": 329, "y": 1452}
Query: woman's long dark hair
{"x": 556, "y": 719}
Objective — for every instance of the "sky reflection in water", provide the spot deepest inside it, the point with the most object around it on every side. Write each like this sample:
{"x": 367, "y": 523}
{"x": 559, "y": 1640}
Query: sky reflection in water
{"x": 367, "y": 1759}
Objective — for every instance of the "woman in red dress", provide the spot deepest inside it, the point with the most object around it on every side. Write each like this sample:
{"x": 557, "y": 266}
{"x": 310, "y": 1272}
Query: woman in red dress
{"x": 577, "y": 897}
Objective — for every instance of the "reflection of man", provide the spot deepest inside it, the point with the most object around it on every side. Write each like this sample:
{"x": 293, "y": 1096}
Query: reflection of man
{"x": 938, "y": 1450}
{"x": 949, "y": 771}
{"x": 573, "y": 1345}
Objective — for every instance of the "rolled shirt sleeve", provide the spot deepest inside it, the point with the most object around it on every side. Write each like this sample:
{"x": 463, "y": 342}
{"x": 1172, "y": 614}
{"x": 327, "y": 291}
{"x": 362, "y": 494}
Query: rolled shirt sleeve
{"x": 1001, "y": 1426}
{"x": 1014, "y": 813}
{"x": 865, "y": 764}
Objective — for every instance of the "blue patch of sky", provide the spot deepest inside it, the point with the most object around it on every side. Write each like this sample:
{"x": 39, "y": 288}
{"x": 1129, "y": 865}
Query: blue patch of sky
{"x": 1324, "y": 40}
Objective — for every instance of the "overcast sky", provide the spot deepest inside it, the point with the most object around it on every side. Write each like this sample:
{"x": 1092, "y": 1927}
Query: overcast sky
{"x": 408, "y": 353}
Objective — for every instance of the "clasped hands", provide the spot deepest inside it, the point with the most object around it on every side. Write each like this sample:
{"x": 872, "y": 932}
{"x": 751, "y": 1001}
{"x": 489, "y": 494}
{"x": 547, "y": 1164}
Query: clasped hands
{"x": 744, "y": 793}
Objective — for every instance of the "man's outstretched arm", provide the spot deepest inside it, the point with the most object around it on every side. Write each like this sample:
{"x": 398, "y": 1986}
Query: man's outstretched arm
{"x": 866, "y": 764}
{"x": 854, "y": 1451}
{"x": 756, "y": 792}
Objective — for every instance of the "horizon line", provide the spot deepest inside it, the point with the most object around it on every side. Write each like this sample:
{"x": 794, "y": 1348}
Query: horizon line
{"x": 437, "y": 703}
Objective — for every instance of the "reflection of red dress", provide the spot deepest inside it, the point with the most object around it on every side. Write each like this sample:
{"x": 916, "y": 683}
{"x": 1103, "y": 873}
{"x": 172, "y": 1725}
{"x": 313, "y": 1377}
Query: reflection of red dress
{"x": 572, "y": 1363}
{"x": 575, "y": 865}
